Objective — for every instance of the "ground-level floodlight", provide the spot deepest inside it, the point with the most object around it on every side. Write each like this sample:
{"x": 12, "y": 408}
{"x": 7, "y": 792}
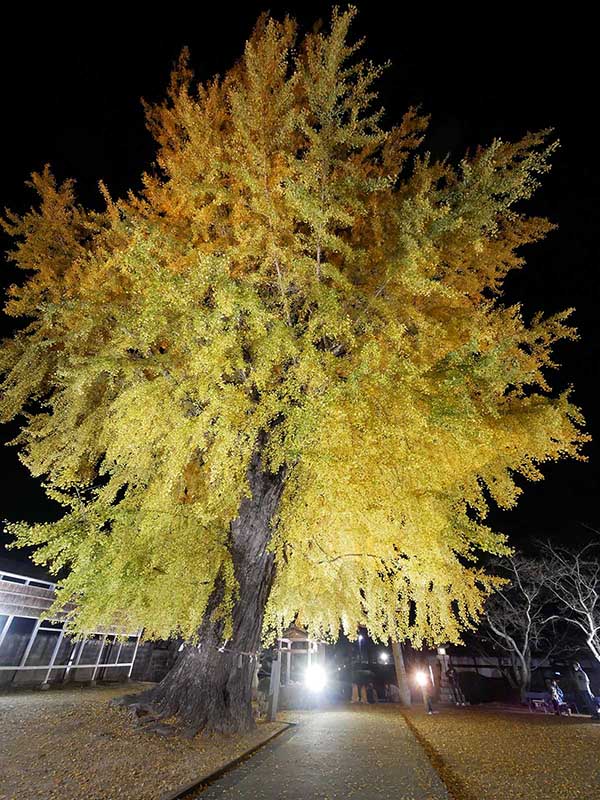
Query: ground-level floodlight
{"x": 315, "y": 678}
{"x": 421, "y": 678}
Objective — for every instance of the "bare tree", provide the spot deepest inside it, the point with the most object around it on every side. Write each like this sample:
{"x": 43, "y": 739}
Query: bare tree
{"x": 574, "y": 581}
{"x": 517, "y": 617}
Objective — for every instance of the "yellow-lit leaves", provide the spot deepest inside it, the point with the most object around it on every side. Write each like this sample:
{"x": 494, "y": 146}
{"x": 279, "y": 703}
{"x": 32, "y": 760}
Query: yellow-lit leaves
{"x": 295, "y": 275}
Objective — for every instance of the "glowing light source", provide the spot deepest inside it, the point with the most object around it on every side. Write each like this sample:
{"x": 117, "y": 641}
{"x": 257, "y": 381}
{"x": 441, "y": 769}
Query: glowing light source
{"x": 315, "y": 678}
{"x": 383, "y": 657}
{"x": 441, "y": 651}
{"x": 421, "y": 678}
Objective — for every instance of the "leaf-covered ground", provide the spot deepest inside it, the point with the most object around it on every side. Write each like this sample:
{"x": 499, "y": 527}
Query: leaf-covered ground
{"x": 68, "y": 744}
{"x": 496, "y": 755}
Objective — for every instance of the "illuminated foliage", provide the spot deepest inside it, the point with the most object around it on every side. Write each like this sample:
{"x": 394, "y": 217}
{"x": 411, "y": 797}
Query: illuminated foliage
{"x": 291, "y": 273}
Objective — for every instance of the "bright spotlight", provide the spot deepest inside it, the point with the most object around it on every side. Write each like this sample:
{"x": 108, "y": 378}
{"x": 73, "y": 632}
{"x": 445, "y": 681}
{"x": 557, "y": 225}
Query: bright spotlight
{"x": 421, "y": 678}
{"x": 383, "y": 657}
{"x": 315, "y": 678}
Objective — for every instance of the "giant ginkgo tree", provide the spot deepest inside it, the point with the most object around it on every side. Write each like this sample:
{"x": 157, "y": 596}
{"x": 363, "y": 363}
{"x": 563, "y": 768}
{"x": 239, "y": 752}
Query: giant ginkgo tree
{"x": 279, "y": 381}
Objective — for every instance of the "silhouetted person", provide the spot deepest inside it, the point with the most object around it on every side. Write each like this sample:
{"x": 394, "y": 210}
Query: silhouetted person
{"x": 426, "y": 691}
{"x": 583, "y": 692}
{"x": 556, "y": 696}
{"x": 457, "y": 692}
{"x": 372, "y": 696}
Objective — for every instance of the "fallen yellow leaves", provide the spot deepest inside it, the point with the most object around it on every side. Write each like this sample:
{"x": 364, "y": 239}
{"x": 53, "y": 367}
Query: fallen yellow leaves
{"x": 69, "y": 744}
{"x": 494, "y": 755}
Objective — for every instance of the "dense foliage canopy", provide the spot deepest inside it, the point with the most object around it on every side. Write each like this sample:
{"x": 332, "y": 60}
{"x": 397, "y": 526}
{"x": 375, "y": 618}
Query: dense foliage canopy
{"x": 296, "y": 278}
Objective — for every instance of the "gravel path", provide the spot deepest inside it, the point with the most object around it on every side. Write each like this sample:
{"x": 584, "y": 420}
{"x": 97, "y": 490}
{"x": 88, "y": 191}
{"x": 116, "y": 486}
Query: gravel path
{"x": 68, "y": 744}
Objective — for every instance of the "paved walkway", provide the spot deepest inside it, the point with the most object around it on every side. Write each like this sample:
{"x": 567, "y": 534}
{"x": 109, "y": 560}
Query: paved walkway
{"x": 357, "y": 753}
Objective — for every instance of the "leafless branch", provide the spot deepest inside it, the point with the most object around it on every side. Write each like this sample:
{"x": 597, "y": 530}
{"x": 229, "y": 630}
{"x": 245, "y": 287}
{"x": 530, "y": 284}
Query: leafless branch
{"x": 517, "y": 618}
{"x": 574, "y": 581}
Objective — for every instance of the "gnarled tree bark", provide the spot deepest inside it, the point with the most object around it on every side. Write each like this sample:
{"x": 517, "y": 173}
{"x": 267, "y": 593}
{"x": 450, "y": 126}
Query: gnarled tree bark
{"x": 210, "y": 688}
{"x": 401, "y": 676}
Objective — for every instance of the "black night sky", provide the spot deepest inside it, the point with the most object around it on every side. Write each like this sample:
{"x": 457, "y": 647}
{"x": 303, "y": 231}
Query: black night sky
{"x": 71, "y": 90}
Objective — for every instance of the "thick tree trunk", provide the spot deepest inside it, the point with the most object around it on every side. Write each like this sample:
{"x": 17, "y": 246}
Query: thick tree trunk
{"x": 210, "y": 686}
{"x": 522, "y": 671}
{"x": 401, "y": 676}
